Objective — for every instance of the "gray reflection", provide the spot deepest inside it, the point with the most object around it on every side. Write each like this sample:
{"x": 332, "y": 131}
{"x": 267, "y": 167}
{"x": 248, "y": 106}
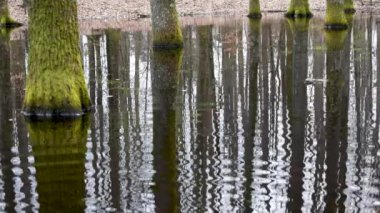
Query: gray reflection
{"x": 165, "y": 72}
{"x": 336, "y": 120}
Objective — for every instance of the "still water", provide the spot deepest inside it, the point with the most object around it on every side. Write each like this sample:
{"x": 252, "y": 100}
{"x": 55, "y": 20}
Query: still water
{"x": 270, "y": 116}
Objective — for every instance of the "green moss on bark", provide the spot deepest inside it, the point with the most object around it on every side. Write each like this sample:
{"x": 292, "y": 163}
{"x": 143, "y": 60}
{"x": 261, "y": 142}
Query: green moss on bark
{"x": 55, "y": 82}
{"x": 349, "y": 6}
{"x": 335, "y": 18}
{"x": 165, "y": 25}
{"x": 254, "y": 9}
{"x": 299, "y": 9}
{"x": 335, "y": 39}
{"x": 5, "y": 20}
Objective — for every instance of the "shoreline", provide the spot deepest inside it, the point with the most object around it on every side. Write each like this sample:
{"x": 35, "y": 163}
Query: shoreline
{"x": 127, "y": 10}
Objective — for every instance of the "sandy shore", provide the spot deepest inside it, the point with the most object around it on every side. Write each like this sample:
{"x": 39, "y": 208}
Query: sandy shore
{"x": 114, "y": 10}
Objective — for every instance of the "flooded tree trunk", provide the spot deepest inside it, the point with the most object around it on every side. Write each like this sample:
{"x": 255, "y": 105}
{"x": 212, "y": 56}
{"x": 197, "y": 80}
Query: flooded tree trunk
{"x": 299, "y": 9}
{"x": 349, "y": 6}
{"x": 55, "y": 83}
{"x": 165, "y": 72}
{"x": 59, "y": 151}
{"x": 254, "y": 9}
{"x": 5, "y": 19}
{"x": 335, "y": 18}
{"x": 165, "y": 24}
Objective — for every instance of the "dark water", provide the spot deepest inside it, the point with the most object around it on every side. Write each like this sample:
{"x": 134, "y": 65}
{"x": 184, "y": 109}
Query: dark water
{"x": 270, "y": 116}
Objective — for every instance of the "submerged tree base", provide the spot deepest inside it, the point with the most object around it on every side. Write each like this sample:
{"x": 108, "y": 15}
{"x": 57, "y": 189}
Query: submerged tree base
{"x": 254, "y": 15}
{"x": 336, "y": 27}
{"x": 302, "y": 12}
{"x": 349, "y": 10}
{"x": 7, "y": 22}
{"x": 48, "y": 114}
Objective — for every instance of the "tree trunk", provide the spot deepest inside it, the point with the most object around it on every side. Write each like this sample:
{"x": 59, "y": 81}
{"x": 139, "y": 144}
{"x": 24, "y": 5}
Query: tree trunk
{"x": 165, "y": 24}
{"x": 299, "y": 9}
{"x": 5, "y": 20}
{"x": 254, "y": 9}
{"x": 55, "y": 83}
{"x": 349, "y": 6}
{"x": 335, "y": 18}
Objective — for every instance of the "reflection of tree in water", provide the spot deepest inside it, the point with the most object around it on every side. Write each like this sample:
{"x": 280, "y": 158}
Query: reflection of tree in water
{"x": 165, "y": 72}
{"x": 205, "y": 101}
{"x": 297, "y": 102}
{"x": 336, "y": 120}
{"x": 249, "y": 119}
{"x": 59, "y": 150}
{"x": 5, "y": 125}
{"x": 318, "y": 74}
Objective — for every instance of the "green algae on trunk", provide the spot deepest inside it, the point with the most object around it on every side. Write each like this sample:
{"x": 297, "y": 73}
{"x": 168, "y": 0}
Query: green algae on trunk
{"x": 55, "y": 84}
{"x": 254, "y": 9}
{"x": 349, "y": 7}
{"x": 299, "y": 9}
{"x": 335, "y": 18}
{"x": 5, "y": 20}
{"x": 165, "y": 25}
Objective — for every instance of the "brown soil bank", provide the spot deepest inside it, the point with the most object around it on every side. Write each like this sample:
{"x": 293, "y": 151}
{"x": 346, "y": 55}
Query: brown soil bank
{"x": 134, "y": 9}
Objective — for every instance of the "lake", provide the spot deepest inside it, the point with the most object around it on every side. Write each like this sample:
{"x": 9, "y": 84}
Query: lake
{"x": 251, "y": 116}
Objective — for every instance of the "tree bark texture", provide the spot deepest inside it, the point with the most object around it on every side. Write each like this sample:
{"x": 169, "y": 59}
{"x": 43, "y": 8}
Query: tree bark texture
{"x": 55, "y": 82}
{"x": 165, "y": 24}
{"x": 299, "y": 9}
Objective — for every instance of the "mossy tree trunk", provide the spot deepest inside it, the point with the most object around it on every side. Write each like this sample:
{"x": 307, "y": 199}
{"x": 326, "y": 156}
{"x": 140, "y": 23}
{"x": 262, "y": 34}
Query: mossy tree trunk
{"x": 349, "y": 6}
{"x": 299, "y": 9}
{"x": 165, "y": 24}
{"x": 55, "y": 83}
{"x": 59, "y": 149}
{"x": 335, "y": 18}
{"x": 5, "y": 19}
{"x": 254, "y": 9}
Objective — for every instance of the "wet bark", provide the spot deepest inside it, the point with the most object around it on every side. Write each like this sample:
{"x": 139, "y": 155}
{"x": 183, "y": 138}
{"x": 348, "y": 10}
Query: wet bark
{"x": 55, "y": 83}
